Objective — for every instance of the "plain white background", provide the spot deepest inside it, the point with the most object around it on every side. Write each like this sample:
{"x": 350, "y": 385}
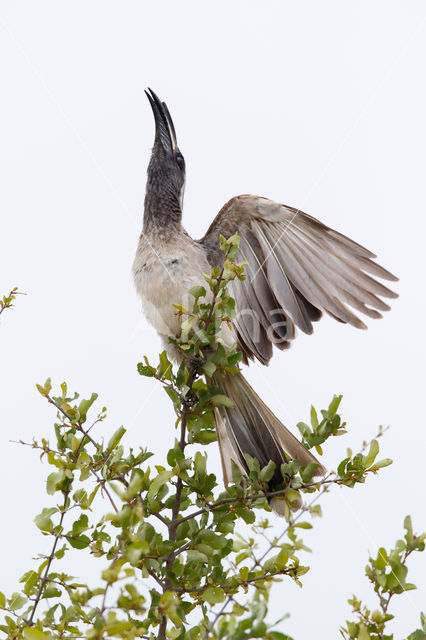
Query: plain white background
{"x": 318, "y": 105}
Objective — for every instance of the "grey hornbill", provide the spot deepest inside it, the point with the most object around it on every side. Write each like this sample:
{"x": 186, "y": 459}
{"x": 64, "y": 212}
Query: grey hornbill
{"x": 297, "y": 268}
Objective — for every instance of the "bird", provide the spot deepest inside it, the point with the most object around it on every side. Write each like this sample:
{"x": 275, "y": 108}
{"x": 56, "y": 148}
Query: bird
{"x": 297, "y": 269}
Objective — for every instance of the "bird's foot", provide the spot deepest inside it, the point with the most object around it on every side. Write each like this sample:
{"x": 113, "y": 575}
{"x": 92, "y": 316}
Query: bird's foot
{"x": 196, "y": 360}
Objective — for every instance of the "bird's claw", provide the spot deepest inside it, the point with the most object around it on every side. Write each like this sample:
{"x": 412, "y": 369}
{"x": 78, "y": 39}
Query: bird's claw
{"x": 196, "y": 360}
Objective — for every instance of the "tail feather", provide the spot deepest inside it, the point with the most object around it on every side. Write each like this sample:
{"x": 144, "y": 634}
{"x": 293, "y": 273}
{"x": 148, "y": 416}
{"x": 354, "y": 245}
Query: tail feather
{"x": 251, "y": 427}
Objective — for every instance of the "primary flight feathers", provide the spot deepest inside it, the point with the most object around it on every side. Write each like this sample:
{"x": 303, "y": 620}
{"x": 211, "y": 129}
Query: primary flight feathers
{"x": 296, "y": 268}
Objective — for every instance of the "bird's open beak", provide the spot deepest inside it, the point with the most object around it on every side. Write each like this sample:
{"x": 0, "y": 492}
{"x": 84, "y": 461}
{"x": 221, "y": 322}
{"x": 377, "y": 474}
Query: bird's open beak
{"x": 164, "y": 128}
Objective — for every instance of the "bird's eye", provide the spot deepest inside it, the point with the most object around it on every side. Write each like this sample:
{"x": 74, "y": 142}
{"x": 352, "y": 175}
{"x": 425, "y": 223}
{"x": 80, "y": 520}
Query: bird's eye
{"x": 180, "y": 160}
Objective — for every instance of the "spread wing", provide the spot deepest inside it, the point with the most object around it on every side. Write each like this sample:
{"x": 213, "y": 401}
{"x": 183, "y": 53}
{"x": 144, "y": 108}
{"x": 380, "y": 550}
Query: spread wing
{"x": 296, "y": 269}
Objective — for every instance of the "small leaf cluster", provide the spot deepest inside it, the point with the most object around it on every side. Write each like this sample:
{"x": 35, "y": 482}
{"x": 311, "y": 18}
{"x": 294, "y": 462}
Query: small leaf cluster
{"x": 353, "y": 469}
{"x": 7, "y": 302}
{"x": 244, "y": 623}
{"x": 212, "y": 310}
{"x": 330, "y": 425}
{"x": 387, "y": 573}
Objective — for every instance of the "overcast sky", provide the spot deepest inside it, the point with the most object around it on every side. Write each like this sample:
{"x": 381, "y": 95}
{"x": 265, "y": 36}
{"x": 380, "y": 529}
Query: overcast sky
{"x": 320, "y": 105}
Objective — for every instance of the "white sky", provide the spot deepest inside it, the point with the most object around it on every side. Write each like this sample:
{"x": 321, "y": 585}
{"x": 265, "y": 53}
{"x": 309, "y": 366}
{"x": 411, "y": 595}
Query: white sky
{"x": 318, "y": 105}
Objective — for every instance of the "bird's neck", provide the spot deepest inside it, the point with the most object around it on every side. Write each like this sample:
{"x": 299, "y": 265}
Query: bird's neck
{"x": 162, "y": 208}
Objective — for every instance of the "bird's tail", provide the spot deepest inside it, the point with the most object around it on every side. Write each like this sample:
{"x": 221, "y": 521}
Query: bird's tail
{"x": 251, "y": 427}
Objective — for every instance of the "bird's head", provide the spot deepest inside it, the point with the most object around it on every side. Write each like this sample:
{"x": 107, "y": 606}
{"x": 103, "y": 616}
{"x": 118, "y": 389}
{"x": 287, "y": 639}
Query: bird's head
{"x": 166, "y": 170}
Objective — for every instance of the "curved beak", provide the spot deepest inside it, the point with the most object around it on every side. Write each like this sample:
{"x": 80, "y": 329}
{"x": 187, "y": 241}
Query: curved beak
{"x": 164, "y": 127}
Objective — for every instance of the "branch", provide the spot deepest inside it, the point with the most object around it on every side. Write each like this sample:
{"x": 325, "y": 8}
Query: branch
{"x": 211, "y": 506}
{"x": 186, "y": 404}
{"x": 175, "y": 520}
{"x": 7, "y": 301}
{"x": 384, "y": 602}
{"x": 58, "y": 535}
{"x": 265, "y": 576}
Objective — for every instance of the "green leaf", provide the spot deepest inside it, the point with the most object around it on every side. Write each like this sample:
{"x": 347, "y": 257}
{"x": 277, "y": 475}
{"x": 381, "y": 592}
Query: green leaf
{"x": 213, "y": 595}
{"x": 382, "y": 559}
{"x": 282, "y": 559}
{"x": 408, "y": 526}
{"x": 245, "y": 513}
{"x": 174, "y": 398}
{"x": 145, "y": 370}
{"x": 304, "y": 429}
{"x": 53, "y": 480}
{"x": 209, "y": 368}
{"x": 81, "y": 542}
{"x": 192, "y": 555}
{"x": 220, "y": 400}
{"x": 30, "y": 578}
{"x": 85, "y": 405}
{"x": 135, "y": 484}
{"x": 180, "y": 376}
{"x": 43, "y": 521}
{"x": 46, "y": 388}
{"x": 136, "y": 550}
{"x": 234, "y": 358}
{"x": 341, "y": 469}
{"x": 61, "y": 552}
{"x": 267, "y": 472}
{"x": 158, "y": 482}
{"x": 382, "y": 463}
{"x": 80, "y": 525}
{"x": 198, "y": 292}
{"x": 293, "y": 497}
{"x": 334, "y": 405}
{"x": 308, "y": 472}
{"x": 243, "y": 573}
{"x": 372, "y": 454}
{"x": 164, "y": 369}
{"x": 205, "y": 437}
{"x": 146, "y": 532}
{"x": 363, "y": 633}
{"x": 32, "y": 633}
{"x": 17, "y": 601}
{"x": 236, "y": 472}
{"x": 51, "y": 591}
{"x": 115, "y": 439}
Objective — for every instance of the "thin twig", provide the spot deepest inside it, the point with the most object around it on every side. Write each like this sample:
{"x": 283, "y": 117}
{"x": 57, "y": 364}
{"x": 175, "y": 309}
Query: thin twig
{"x": 175, "y": 520}
{"x": 44, "y": 579}
{"x": 47, "y": 449}
{"x": 58, "y": 535}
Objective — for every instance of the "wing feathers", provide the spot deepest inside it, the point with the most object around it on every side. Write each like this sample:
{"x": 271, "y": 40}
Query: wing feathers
{"x": 252, "y": 253}
{"x": 280, "y": 284}
{"x": 251, "y": 334}
{"x": 266, "y": 308}
{"x": 296, "y": 268}
{"x": 320, "y": 291}
{"x": 345, "y": 277}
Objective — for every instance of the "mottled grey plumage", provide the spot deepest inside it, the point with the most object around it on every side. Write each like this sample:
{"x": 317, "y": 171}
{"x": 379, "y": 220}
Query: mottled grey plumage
{"x": 297, "y": 268}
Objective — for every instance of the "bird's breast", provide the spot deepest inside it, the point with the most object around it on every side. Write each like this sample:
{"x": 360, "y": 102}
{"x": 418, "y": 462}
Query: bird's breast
{"x": 163, "y": 273}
